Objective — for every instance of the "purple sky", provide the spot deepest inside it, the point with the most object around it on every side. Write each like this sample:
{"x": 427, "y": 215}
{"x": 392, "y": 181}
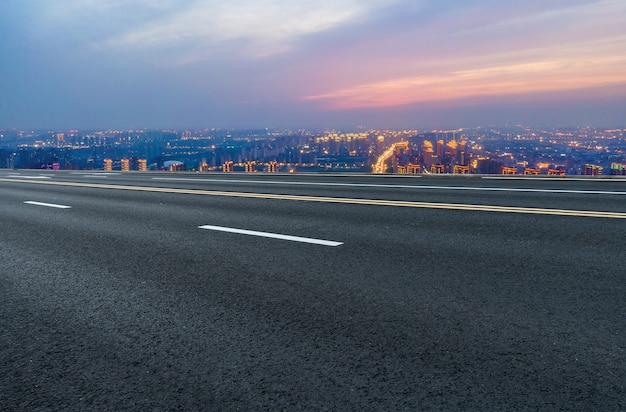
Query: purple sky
{"x": 314, "y": 64}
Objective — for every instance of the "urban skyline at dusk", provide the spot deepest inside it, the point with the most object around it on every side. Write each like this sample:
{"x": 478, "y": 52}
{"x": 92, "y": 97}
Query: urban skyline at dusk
{"x": 482, "y": 150}
{"x": 165, "y": 64}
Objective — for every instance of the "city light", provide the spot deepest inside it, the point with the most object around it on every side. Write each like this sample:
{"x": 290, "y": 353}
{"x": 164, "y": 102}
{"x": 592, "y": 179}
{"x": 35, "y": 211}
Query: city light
{"x": 495, "y": 150}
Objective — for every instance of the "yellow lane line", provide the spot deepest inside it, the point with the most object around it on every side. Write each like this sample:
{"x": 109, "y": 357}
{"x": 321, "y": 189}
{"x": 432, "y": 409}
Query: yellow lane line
{"x": 353, "y": 201}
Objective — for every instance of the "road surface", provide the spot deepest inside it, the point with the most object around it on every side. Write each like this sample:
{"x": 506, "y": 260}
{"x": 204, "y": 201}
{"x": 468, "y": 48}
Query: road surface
{"x": 160, "y": 291}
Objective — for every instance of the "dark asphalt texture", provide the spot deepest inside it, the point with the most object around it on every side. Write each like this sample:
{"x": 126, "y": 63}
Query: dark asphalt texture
{"x": 122, "y": 303}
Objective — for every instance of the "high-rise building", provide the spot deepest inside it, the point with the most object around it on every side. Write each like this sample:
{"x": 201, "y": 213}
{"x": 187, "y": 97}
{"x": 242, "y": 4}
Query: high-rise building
{"x": 429, "y": 156}
{"x": 440, "y": 149}
{"x": 125, "y": 165}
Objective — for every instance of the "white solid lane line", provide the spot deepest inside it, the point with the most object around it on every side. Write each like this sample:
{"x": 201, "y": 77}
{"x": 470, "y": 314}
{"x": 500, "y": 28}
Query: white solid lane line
{"x": 551, "y": 179}
{"x": 275, "y": 182}
{"x": 95, "y": 174}
{"x": 30, "y": 202}
{"x": 416, "y": 187}
{"x": 29, "y": 177}
{"x": 272, "y": 235}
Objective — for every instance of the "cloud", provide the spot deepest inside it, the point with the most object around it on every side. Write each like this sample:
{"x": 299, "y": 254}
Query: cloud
{"x": 266, "y": 26}
{"x": 478, "y": 52}
{"x": 552, "y": 69}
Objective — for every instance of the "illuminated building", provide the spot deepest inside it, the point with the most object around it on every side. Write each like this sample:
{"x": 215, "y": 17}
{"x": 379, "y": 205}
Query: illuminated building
{"x": 272, "y": 166}
{"x": 142, "y": 165}
{"x": 461, "y": 170}
{"x": 174, "y": 166}
{"x": 452, "y": 148}
{"x": 618, "y": 169}
{"x": 108, "y": 165}
{"x": 438, "y": 169}
{"x": 556, "y": 172}
{"x": 413, "y": 169}
{"x": 509, "y": 170}
{"x": 380, "y": 145}
{"x": 401, "y": 147}
{"x": 125, "y": 165}
{"x": 250, "y": 167}
{"x": 228, "y": 167}
{"x": 440, "y": 148}
{"x": 203, "y": 166}
{"x": 429, "y": 156}
{"x": 531, "y": 171}
{"x": 593, "y": 170}
{"x": 462, "y": 155}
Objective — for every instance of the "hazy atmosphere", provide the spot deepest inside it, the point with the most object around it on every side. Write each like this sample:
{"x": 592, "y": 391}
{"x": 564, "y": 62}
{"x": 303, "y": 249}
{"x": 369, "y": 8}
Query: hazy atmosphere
{"x": 340, "y": 63}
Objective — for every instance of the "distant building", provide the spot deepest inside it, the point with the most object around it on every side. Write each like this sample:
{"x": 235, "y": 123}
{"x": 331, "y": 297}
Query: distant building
{"x": 250, "y": 167}
{"x": 593, "y": 170}
{"x": 437, "y": 169}
{"x": 618, "y": 169}
{"x": 125, "y": 164}
{"x": 108, "y": 165}
{"x": 203, "y": 166}
{"x": 174, "y": 166}
{"x": 461, "y": 170}
{"x": 413, "y": 169}
{"x": 272, "y": 167}
{"x": 228, "y": 166}
{"x": 142, "y": 165}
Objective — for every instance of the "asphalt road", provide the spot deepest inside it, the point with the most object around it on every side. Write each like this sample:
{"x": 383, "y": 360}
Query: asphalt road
{"x": 139, "y": 291}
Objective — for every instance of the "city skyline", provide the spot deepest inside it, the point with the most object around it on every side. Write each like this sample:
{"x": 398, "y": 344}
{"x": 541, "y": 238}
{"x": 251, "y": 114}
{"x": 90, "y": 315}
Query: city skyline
{"x": 137, "y": 64}
{"x": 488, "y": 150}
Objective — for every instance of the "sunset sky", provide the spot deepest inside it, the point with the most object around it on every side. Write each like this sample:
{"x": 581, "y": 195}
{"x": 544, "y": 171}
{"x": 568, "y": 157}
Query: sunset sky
{"x": 313, "y": 64}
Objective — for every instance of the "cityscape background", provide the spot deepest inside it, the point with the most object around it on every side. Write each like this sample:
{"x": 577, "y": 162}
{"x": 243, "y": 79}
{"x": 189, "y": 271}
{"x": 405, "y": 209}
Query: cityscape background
{"x": 479, "y": 150}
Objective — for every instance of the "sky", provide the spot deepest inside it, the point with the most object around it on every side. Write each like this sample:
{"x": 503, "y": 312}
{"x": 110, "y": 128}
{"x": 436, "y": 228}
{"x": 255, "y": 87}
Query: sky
{"x": 311, "y": 64}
